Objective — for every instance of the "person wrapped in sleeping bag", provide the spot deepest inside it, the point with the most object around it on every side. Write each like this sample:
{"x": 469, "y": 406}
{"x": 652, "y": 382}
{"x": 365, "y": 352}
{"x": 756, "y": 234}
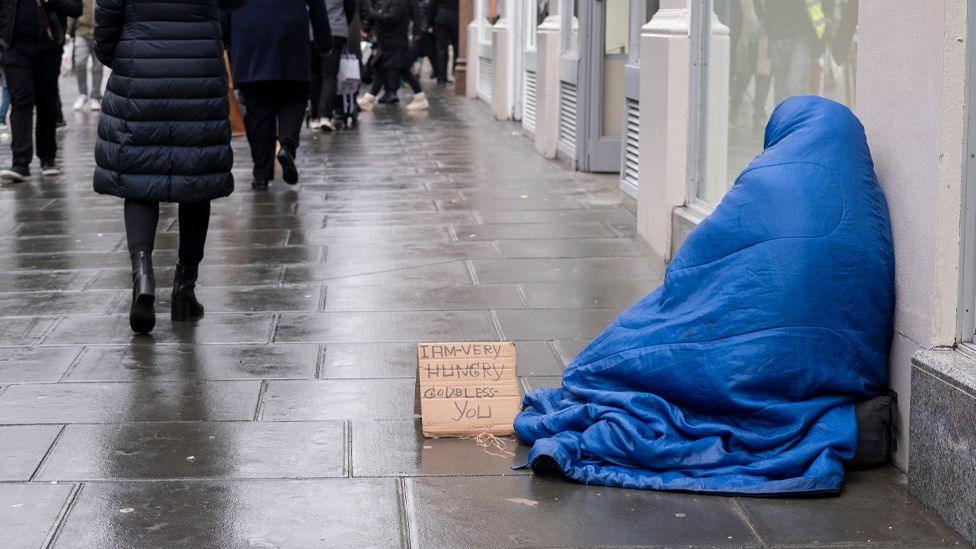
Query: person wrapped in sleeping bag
{"x": 738, "y": 375}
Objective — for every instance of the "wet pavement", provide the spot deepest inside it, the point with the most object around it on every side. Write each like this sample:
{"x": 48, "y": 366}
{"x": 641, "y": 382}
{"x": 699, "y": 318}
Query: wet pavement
{"x": 286, "y": 417}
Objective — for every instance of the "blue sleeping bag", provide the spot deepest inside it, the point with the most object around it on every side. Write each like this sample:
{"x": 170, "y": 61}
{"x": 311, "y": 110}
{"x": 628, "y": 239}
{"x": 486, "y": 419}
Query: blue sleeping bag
{"x": 738, "y": 375}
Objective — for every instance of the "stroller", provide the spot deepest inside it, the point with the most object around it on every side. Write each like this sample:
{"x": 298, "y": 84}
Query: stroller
{"x": 350, "y": 77}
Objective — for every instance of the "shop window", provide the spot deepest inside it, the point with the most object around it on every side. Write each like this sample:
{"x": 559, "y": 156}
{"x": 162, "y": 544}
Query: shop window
{"x": 749, "y": 56}
{"x": 536, "y": 13}
{"x": 966, "y": 333}
{"x": 616, "y": 33}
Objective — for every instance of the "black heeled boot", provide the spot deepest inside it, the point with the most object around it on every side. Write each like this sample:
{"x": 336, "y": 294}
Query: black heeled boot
{"x": 185, "y": 304}
{"x": 142, "y": 316}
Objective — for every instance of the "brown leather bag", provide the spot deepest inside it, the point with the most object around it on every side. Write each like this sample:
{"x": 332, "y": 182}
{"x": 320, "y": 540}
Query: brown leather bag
{"x": 236, "y": 118}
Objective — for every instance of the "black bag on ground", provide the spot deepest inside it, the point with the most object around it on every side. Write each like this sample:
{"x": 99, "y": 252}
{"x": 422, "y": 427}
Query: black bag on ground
{"x": 876, "y": 432}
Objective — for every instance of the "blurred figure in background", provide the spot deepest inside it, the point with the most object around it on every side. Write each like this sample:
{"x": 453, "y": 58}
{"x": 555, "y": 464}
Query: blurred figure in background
{"x": 796, "y": 30}
{"x": 750, "y": 59}
{"x": 390, "y": 22}
{"x": 269, "y": 58}
{"x": 81, "y": 30}
{"x": 163, "y": 142}
{"x": 325, "y": 68}
{"x": 31, "y": 44}
{"x": 443, "y": 22}
{"x": 424, "y": 36}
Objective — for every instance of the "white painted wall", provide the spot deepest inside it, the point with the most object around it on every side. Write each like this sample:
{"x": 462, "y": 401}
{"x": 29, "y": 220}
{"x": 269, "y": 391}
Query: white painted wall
{"x": 910, "y": 98}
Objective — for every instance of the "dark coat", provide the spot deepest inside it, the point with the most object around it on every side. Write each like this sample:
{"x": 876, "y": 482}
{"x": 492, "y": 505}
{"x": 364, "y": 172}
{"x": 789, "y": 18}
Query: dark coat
{"x": 391, "y": 23}
{"x": 268, "y": 39}
{"x": 443, "y": 12}
{"x": 58, "y": 12}
{"x": 164, "y": 133}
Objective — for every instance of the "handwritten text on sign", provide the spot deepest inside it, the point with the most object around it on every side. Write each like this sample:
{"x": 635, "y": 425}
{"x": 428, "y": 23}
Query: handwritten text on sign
{"x": 467, "y": 388}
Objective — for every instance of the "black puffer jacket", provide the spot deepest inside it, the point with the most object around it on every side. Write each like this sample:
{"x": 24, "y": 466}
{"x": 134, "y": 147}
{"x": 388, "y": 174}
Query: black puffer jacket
{"x": 57, "y": 13}
{"x": 164, "y": 133}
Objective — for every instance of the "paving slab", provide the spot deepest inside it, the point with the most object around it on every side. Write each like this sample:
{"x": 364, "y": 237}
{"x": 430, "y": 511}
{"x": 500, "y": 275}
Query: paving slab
{"x": 335, "y": 513}
{"x": 22, "y": 447}
{"x": 35, "y": 364}
{"x": 29, "y": 513}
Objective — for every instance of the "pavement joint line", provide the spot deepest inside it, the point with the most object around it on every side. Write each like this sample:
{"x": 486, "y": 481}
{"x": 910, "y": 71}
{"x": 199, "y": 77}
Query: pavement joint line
{"x": 469, "y": 265}
{"x": 744, "y": 517}
{"x": 498, "y": 324}
{"x": 347, "y": 435}
{"x": 320, "y": 359}
{"x": 58, "y": 525}
{"x": 323, "y": 296}
{"x": 275, "y": 319}
{"x": 73, "y": 364}
{"x": 47, "y": 453}
{"x": 522, "y": 296}
{"x": 259, "y": 405}
{"x": 403, "y": 510}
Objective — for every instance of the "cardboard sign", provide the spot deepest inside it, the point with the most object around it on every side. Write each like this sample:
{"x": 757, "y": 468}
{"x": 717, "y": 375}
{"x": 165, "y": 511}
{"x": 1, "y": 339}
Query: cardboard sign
{"x": 467, "y": 388}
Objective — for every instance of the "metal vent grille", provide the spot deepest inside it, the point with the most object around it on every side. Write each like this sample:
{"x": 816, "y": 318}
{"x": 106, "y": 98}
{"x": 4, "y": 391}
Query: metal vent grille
{"x": 486, "y": 77}
{"x": 528, "y": 103}
{"x": 567, "y": 118}
{"x": 628, "y": 175}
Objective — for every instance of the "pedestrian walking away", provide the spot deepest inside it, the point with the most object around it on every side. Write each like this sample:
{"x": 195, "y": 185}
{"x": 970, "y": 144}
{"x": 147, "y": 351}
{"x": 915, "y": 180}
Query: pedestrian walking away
{"x": 81, "y": 31}
{"x": 270, "y": 62}
{"x": 325, "y": 69}
{"x": 163, "y": 143}
{"x": 443, "y": 22}
{"x": 31, "y": 44}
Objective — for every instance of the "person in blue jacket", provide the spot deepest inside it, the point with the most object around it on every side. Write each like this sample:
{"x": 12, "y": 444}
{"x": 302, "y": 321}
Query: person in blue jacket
{"x": 164, "y": 134}
{"x": 271, "y": 66}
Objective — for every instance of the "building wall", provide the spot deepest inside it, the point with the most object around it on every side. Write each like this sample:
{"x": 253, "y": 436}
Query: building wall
{"x": 910, "y": 97}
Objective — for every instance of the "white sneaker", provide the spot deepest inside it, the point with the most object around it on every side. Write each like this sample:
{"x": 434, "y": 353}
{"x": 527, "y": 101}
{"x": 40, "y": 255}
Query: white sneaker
{"x": 95, "y": 105}
{"x": 366, "y": 102}
{"x": 419, "y": 102}
{"x": 81, "y": 102}
{"x": 326, "y": 125}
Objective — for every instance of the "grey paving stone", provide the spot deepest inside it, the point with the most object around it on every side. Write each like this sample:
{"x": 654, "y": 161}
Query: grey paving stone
{"x": 35, "y": 364}
{"x": 531, "y": 383}
{"x": 229, "y": 239}
{"x": 197, "y": 450}
{"x": 874, "y": 508}
{"x": 555, "y": 216}
{"x": 24, "y": 331}
{"x": 364, "y": 234}
{"x": 552, "y": 512}
{"x": 29, "y": 513}
{"x": 335, "y": 206}
{"x": 422, "y": 298}
{"x": 526, "y": 231}
{"x": 603, "y": 294}
{"x": 398, "y": 448}
{"x": 445, "y": 272}
{"x": 195, "y": 362}
{"x": 55, "y": 303}
{"x": 339, "y": 399}
{"x": 60, "y": 243}
{"x": 211, "y": 275}
{"x": 29, "y": 281}
{"x": 330, "y": 513}
{"x": 536, "y": 358}
{"x": 596, "y": 247}
{"x": 425, "y": 252}
{"x": 129, "y": 402}
{"x": 211, "y": 328}
{"x": 369, "y": 360}
{"x": 557, "y": 270}
{"x": 568, "y": 349}
{"x": 238, "y": 300}
{"x": 509, "y": 204}
{"x": 412, "y": 326}
{"x": 387, "y": 219}
{"x": 22, "y": 447}
{"x": 554, "y": 324}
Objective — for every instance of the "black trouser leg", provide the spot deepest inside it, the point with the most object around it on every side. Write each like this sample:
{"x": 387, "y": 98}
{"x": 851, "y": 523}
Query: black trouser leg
{"x": 47, "y": 66}
{"x": 315, "y": 84}
{"x": 379, "y": 80}
{"x": 407, "y": 75}
{"x": 19, "y": 73}
{"x": 442, "y": 36}
{"x": 141, "y": 219}
{"x": 260, "y": 121}
{"x": 392, "y": 77}
{"x": 291, "y": 99}
{"x": 330, "y": 79}
{"x": 194, "y": 220}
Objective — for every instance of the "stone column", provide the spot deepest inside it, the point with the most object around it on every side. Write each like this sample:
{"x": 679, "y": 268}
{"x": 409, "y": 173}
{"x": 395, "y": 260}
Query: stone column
{"x": 547, "y": 87}
{"x": 465, "y": 16}
{"x": 664, "y": 85}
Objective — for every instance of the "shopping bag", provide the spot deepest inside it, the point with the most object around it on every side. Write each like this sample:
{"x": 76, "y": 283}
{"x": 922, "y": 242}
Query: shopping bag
{"x": 349, "y": 67}
{"x": 236, "y": 117}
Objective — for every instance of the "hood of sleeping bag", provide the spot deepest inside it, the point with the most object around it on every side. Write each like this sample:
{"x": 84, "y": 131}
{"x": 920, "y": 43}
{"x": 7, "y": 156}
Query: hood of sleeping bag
{"x": 738, "y": 375}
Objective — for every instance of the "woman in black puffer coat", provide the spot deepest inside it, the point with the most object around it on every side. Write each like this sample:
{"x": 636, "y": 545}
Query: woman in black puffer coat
{"x": 164, "y": 134}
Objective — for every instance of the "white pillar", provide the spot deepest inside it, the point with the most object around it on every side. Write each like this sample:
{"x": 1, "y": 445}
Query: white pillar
{"x": 547, "y": 87}
{"x": 664, "y": 85}
{"x": 471, "y": 90}
{"x": 717, "y": 120}
{"x": 500, "y": 98}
